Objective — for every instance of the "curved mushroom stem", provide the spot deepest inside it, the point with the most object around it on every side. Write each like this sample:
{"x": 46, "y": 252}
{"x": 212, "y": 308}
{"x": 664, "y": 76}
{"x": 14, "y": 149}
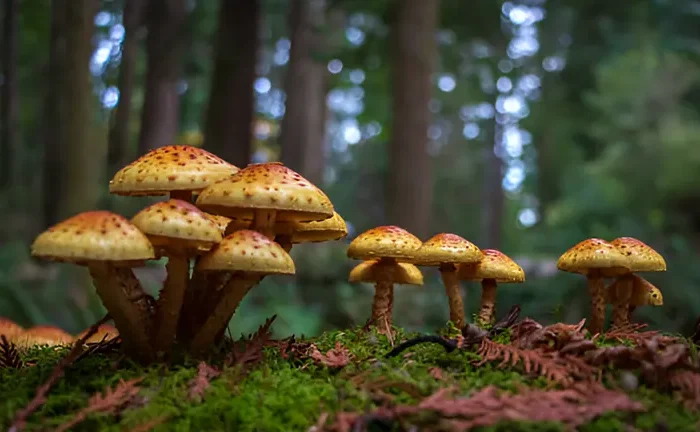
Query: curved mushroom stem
{"x": 382, "y": 304}
{"x": 203, "y": 291}
{"x": 263, "y": 222}
{"x": 234, "y": 291}
{"x": 621, "y": 308}
{"x": 487, "y": 305}
{"x": 184, "y": 195}
{"x": 451, "y": 282}
{"x": 131, "y": 320}
{"x": 596, "y": 289}
{"x": 170, "y": 301}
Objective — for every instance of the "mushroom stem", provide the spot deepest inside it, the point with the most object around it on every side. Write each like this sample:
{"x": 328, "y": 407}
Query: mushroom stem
{"x": 382, "y": 304}
{"x": 285, "y": 241}
{"x": 234, "y": 291}
{"x": 184, "y": 195}
{"x": 596, "y": 289}
{"x": 263, "y": 222}
{"x": 203, "y": 290}
{"x": 487, "y": 304}
{"x": 129, "y": 318}
{"x": 170, "y": 301}
{"x": 623, "y": 295}
{"x": 451, "y": 282}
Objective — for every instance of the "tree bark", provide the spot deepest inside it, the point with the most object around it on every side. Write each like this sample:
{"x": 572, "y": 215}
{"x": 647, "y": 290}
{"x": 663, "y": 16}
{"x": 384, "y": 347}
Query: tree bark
{"x": 9, "y": 102}
{"x": 409, "y": 197}
{"x": 230, "y": 113}
{"x": 493, "y": 196}
{"x": 119, "y": 134}
{"x": 302, "y": 134}
{"x": 164, "y": 43}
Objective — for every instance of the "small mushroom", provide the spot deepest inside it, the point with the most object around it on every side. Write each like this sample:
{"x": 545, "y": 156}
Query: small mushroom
{"x": 249, "y": 255}
{"x": 42, "y": 335}
{"x": 180, "y": 231}
{"x": 595, "y": 258}
{"x": 108, "y": 245}
{"x": 331, "y": 229}
{"x": 640, "y": 257}
{"x": 495, "y": 268}
{"x": 174, "y": 170}
{"x": 446, "y": 251}
{"x": 644, "y": 293}
{"x": 9, "y": 328}
{"x": 389, "y": 245}
{"x": 104, "y": 332}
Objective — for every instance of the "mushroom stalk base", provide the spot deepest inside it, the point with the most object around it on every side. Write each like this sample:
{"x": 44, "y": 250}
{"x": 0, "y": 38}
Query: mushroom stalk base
{"x": 183, "y": 195}
{"x": 170, "y": 301}
{"x": 596, "y": 289}
{"x": 451, "y": 282}
{"x": 621, "y": 307}
{"x": 382, "y": 305}
{"x": 487, "y": 305}
{"x": 129, "y": 318}
{"x": 203, "y": 290}
{"x": 234, "y": 291}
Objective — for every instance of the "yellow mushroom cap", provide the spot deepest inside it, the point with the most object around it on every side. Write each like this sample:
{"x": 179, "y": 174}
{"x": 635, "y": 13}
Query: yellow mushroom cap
{"x": 170, "y": 168}
{"x": 9, "y": 328}
{"x": 333, "y": 228}
{"x": 93, "y": 236}
{"x": 222, "y": 222}
{"x": 247, "y": 251}
{"x": 42, "y": 335}
{"x": 448, "y": 248}
{"x": 386, "y": 271}
{"x": 177, "y": 224}
{"x": 495, "y": 265}
{"x": 639, "y": 256}
{"x": 644, "y": 293}
{"x": 384, "y": 242}
{"x": 267, "y": 186}
{"x": 104, "y": 331}
{"x": 593, "y": 254}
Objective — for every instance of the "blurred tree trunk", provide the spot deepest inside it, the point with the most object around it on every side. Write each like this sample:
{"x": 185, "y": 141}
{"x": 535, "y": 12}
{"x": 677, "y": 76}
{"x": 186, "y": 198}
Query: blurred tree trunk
{"x": 165, "y": 20}
{"x": 302, "y": 135}
{"x": 54, "y": 115}
{"x": 229, "y": 123}
{"x": 493, "y": 199}
{"x": 119, "y": 133}
{"x": 409, "y": 196}
{"x": 82, "y": 170}
{"x": 8, "y": 91}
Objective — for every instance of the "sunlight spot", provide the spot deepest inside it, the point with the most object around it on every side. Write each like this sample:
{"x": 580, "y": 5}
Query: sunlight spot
{"x": 103, "y": 19}
{"x": 553, "y": 64}
{"x": 351, "y": 134}
{"x": 434, "y": 132}
{"x": 262, "y": 85}
{"x": 470, "y": 130}
{"x": 504, "y": 84}
{"x": 355, "y": 36}
{"x": 110, "y": 97}
{"x": 335, "y": 66}
{"x": 357, "y": 76}
{"x": 116, "y": 33}
{"x": 447, "y": 83}
{"x": 527, "y": 217}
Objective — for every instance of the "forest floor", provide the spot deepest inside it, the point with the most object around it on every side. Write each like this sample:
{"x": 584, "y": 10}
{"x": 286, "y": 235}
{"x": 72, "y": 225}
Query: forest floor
{"x": 518, "y": 376}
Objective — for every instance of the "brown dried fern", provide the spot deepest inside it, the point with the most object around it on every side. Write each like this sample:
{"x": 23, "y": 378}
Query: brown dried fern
{"x": 9, "y": 355}
{"x": 633, "y": 332}
{"x": 687, "y": 383}
{"x": 200, "y": 383}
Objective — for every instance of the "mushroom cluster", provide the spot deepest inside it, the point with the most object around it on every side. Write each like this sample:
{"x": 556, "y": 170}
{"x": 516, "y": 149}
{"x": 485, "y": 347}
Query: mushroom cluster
{"x": 621, "y": 259}
{"x": 239, "y": 229}
{"x": 390, "y": 255}
{"x": 46, "y": 335}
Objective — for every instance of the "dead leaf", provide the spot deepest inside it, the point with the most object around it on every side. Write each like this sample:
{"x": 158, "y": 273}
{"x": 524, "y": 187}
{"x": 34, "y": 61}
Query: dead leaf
{"x": 337, "y": 357}
{"x": 200, "y": 383}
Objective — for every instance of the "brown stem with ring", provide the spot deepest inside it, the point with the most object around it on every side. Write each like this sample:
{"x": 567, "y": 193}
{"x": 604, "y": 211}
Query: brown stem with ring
{"x": 487, "y": 305}
{"x": 451, "y": 282}
{"x": 129, "y": 318}
{"x": 170, "y": 301}
{"x": 623, "y": 294}
{"x": 234, "y": 291}
{"x": 184, "y": 195}
{"x": 596, "y": 289}
{"x": 382, "y": 304}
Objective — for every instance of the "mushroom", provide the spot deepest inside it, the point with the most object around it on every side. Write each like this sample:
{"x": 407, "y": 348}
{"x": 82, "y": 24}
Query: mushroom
{"x": 446, "y": 251}
{"x": 104, "y": 332}
{"x": 596, "y": 259}
{"x": 644, "y": 293}
{"x": 388, "y": 245}
{"x": 175, "y": 170}
{"x": 331, "y": 229}
{"x": 42, "y": 335}
{"x": 108, "y": 244}
{"x": 639, "y": 257}
{"x": 180, "y": 231}
{"x": 9, "y": 328}
{"x": 250, "y": 255}
{"x": 495, "y": 268}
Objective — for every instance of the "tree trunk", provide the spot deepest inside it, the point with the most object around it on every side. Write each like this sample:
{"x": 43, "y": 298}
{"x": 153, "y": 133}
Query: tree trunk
{"x": 8, "y": 92}
{"x": 302, "y": 135}
{"x": 53, "y": 114}
{"x": 83, "y": 167}
{"x": 229, "y": 122}
{"x": 493, "y": 196}
{"x": 119, "y": 134}
{"x": 164, "y": 43}
{"x": 409, "y": 197}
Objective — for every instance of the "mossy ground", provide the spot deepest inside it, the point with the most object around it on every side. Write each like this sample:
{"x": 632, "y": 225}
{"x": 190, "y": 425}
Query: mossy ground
{"x": 278, "y": 395}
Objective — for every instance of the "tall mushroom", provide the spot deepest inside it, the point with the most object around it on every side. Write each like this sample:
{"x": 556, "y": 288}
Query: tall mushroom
{"x": 388, "y": 245}
{"x": 108, "y": 244}
{"x": 250, "y": 255}
{"x": 639, "y": 257}
{"x": 596, "y": 259}
{"x": 180, "y": 231}
{"x": 644, "y": 293}
{"x": 446, "y": 251}
{"x": 495, "y": 268}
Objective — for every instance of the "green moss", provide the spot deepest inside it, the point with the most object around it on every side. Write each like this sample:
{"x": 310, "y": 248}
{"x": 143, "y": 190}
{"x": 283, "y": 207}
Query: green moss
{"x": 285, "y": 395}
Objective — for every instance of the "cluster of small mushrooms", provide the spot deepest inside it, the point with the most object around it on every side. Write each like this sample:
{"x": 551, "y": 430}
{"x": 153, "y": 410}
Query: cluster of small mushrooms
{"x": 223, "y": 229}
{"x": 50, "y": 335}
